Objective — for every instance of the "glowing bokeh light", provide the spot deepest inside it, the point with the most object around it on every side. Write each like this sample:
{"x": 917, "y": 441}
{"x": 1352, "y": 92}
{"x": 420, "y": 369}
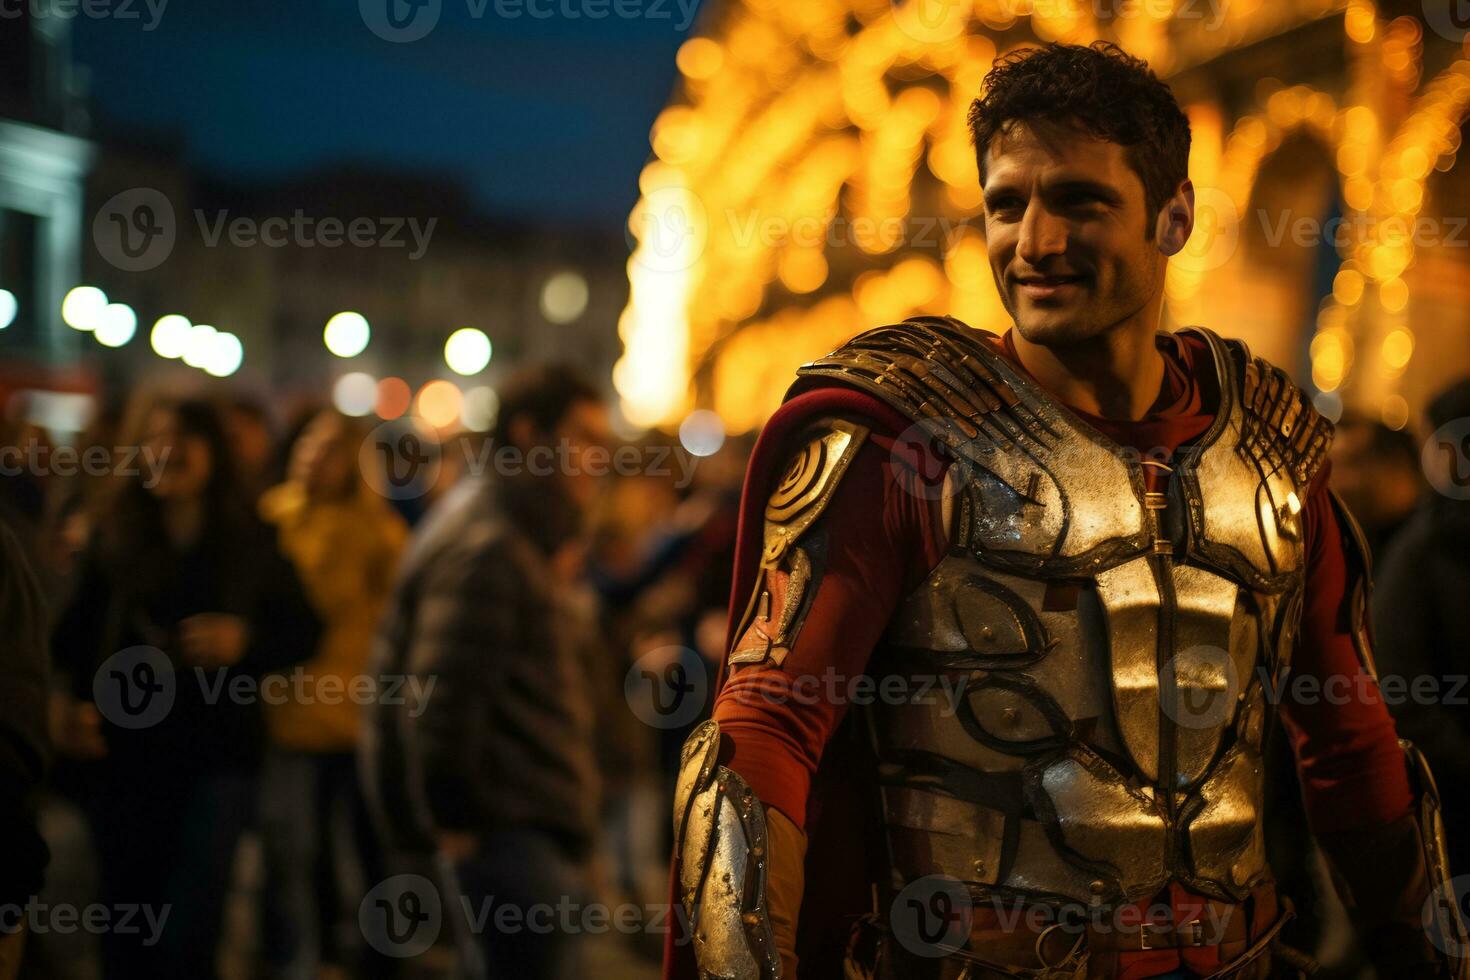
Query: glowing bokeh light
{"x": 467, "y": 351}
{"x": 355, "y": 394}
{"x": 439, "y": 403}
{"x": 170, "y": 335}
{"x": 83, "y": 307}
{"x": 393, "y": 398}
{"x": 116, "y": 325}
{"x": 347, "y": 334}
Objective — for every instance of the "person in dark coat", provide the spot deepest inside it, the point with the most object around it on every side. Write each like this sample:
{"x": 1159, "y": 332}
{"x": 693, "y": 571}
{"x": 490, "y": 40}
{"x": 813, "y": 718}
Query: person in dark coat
{"x": 183, "y": 602}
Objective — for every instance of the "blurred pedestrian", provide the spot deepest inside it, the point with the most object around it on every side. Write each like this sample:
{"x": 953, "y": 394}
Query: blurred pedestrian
{"x": 1419, "y": 623}
{"x": 23, "y": 744}
{"x": 499, "y": 755}
{"x": 345, "y": 543}
{"x": 251, "y": 437}
{"x": 1376, "y": 471}
{"x": 182, "y": 602}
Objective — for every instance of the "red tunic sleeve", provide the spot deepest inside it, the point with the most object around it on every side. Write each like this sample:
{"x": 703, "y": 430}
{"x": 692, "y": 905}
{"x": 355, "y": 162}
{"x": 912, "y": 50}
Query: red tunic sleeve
{"x": 1352, "y": 769}
{"x": 884, "y": 536}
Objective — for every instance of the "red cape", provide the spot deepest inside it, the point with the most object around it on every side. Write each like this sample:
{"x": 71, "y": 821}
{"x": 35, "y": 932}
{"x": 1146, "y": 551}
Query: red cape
{"x": 836, "y": 883}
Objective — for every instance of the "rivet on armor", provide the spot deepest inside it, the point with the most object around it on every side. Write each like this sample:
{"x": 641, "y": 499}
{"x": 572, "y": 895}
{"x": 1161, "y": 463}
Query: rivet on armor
{"x": 979, "y": 867}
{"x": 986, "y": 633}
{"x": 1011, "y": 716}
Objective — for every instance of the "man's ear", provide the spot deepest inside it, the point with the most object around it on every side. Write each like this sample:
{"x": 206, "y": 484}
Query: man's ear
{"x": 1175, "y": 222}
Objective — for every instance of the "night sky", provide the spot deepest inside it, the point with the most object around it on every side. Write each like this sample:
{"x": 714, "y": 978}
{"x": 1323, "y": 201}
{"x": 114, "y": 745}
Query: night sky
{"x": 542, "y": 118}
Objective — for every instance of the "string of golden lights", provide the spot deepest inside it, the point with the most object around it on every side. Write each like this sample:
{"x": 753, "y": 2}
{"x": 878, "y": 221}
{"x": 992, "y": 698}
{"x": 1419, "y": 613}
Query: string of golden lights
{"x": 816, "y": 177}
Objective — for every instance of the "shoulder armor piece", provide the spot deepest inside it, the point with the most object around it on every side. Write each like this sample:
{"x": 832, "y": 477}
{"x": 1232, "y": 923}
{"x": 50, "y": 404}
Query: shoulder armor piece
{"x": 936, "y": 371}
{"x": 808, "y": 483}
{"x": 1280, "y": 427}
{"x": 789, "y": 572}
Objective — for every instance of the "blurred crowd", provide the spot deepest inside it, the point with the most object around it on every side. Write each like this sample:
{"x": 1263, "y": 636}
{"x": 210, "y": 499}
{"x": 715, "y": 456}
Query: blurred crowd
{"x": 260, "y": 689}
{"x": 256, "y": 692}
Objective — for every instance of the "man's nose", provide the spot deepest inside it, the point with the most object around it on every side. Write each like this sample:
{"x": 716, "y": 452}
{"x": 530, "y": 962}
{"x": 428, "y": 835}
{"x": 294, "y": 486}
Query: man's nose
{"x": 1042, "y": 234}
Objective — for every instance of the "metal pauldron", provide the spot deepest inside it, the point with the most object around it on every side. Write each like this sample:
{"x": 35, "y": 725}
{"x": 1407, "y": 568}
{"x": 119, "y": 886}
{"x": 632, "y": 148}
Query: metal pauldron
{"x": 720, "y": 838}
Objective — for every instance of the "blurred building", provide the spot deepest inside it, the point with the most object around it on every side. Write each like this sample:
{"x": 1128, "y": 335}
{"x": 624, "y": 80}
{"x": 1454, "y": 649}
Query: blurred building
{"x": 410, "y": 255}
{"x": 43, "y": 164}
{"x": 813, "y": 177}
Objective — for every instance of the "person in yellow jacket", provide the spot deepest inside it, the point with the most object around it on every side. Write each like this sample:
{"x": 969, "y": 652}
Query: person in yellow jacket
{"x": 344, "y": 541}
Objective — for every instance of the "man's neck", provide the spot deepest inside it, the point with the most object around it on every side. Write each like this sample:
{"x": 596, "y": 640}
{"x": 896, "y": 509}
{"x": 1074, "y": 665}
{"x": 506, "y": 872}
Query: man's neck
{"x": 1116, "y": 375}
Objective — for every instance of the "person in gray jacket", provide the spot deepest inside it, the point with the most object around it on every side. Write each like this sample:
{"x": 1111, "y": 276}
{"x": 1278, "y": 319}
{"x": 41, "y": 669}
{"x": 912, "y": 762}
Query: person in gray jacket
{"x": 493, "y": 766}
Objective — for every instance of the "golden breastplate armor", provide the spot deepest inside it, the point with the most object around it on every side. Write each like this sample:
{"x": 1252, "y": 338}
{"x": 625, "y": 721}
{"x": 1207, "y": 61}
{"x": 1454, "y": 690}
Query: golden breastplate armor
{"x": 1089, "y": 664}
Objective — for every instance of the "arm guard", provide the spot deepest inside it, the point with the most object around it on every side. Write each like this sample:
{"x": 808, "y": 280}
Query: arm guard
{"x": 1442, "y": 922}
{"x": 720, "y": 838}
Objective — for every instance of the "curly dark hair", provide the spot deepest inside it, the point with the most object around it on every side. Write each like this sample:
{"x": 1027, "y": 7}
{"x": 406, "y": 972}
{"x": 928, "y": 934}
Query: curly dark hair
{"x": 1101, "y": 89}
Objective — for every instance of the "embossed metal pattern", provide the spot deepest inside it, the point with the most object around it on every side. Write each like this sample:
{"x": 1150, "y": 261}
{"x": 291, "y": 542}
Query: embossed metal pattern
{"x": 696, "y": 764}
{"x": 720, "y": 837}
{"x": 1130, "y": 601}
{"x": 963, "y": 610}
{"x": 1049, "y": 625}
{"x": 1226, "y": 838}
{"x": 808, "y": 484}
{"x": 720, "y": 943}
{"x": 1214, "y": 644}
{"x": 935, "y": 834}
{"x": 1110, "y": 824}
{"x": 1246, "y": 488}
{"x": 1012, "y": 436}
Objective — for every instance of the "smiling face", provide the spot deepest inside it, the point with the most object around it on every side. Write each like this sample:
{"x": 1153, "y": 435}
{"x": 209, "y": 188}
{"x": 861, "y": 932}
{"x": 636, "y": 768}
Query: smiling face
{"x": 1073, "y": 245}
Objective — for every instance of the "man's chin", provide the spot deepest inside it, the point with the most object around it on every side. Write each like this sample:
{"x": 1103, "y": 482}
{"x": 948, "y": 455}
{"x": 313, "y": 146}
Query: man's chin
{"x": 1052, "y": 328}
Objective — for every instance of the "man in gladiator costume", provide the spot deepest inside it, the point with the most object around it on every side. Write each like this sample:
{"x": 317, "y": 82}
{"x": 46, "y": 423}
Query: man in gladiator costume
{"x": 1015, "y": 616}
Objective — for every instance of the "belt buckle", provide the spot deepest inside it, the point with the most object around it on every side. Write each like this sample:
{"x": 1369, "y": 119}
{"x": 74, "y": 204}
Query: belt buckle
{"x": 1188, "y": 934}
